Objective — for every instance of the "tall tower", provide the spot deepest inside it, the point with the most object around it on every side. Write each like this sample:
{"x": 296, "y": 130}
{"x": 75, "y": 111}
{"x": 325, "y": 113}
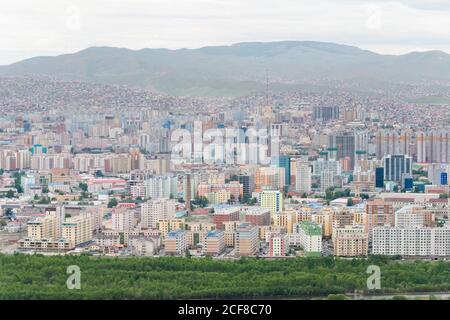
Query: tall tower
{"x": 188, "y": 193}
{"x": 267, "y": 87}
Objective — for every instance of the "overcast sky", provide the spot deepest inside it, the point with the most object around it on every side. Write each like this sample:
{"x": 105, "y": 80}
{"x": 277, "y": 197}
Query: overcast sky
{"x": 49, "y": 27}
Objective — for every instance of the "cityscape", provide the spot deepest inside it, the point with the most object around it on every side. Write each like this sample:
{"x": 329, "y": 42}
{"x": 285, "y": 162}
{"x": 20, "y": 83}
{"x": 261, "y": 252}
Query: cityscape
{"x": 340, "y": 186}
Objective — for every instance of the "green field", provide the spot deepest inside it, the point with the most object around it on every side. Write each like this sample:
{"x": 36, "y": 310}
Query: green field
{"x": 44, "y": 277}
{"x": 432, "y": 100}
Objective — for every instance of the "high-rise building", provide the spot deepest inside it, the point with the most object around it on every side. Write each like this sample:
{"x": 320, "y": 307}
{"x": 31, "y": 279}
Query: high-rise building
{"x": 77, "y": 230}
{"x": 379, "y": 178}
{"x": 284, "y": 162}
{"x": 303, "y": 178}
{"x": 122, "y": 220}
{"x": 161, "y": 187}
{"x": 396, "y": 166}
{"x": 392, "y": 142}
{"x": 444, "y": 178}
{"x": 326, "y": 180}
{"x": 326, "y": 165}
{"x": 269, "y": 178}
{"x": 46, "y": 227}
{"x": 379, "y": 214}
{"x": 347, "y": 144}
{"x": 413, "y": 216}
{"x": 153, "y": 210}
{"x": 272, "y": 200}
{"x": 188, "y": 193}
{"x": 248, "y": 183}
{"x": 325, "y": 113}
{"x": 433, "y": 146}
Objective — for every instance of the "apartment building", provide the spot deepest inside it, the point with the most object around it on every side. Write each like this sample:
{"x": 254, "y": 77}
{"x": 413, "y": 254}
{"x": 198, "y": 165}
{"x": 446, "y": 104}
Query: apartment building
{"x": 214, "y": 242}
{"x": 278, "y": 245}
{"x": 247, "y": 243}
{"x": 412, "y": 241}
{"x": 175, "y": 243}
{"x": 154, "y": 210}
{"x": 77, "y": 230}
{"x": 309, "y": 237}
{"x": 224, "y": 214}
{"x": 350, "y": 241}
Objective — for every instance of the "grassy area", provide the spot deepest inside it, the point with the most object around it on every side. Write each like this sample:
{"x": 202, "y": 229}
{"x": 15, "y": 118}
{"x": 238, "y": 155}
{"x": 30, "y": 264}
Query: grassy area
{"x": 39, "y": 277}
{"x": 432, "y": 100}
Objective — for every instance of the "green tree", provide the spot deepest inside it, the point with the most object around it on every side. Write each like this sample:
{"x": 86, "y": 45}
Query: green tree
{"x": 44, "y": 200}
{"x": 112, "y": 203}
{"x": 200, "y": 201}
{"x": 17, "y": 181}
{"x": 10, "y": 194}
{"x": 337, "y": 297}
{"x": 83, "y": 186}
{"x": 9, "y": 212}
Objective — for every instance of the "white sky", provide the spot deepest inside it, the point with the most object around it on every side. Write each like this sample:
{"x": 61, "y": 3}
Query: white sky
{"x": 49, "y": 27}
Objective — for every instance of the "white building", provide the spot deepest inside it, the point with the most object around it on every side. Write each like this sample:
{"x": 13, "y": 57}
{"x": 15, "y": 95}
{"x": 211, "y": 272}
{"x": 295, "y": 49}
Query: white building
{"x": 122, "y": 220}
{"x": 309, "y": 237}
{"x": 326, "y": 165}
{"x": 326, "y": 180}
{"x": 303, "y": 178}
{"x": 278, "y": 244}
{"x": 412, "y": 217}
{"x": 153, "y": 210}
{"x": 411, "y": 241}
{"x": 161, "y": 187}
{"x": 77, "y": 230}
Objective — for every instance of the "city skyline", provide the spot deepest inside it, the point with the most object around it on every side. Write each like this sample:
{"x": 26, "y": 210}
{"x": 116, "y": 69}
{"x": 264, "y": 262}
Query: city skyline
{"x": 282, "y": 158}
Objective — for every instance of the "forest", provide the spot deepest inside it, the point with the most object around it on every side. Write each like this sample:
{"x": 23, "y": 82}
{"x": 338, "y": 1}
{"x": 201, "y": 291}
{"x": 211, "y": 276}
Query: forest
{"x": 44, "y": 277}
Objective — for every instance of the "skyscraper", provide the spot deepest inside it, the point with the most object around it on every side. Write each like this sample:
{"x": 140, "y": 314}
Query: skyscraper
{"x": 392, "y": 142}
{"x": 303, "y": 178}
{"x": 433, "y": 146}
{"x": 325, "y": 113}
{"x": 284, "y": 162}
{"x": 248, "y": 183}
{"x": 346, "y": 144}
{"x": 379, "y": 178}
{"x": 395, "y": 166}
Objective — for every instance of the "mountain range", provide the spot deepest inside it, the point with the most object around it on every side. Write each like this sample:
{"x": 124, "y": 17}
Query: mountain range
{"x": 237, "y": 69}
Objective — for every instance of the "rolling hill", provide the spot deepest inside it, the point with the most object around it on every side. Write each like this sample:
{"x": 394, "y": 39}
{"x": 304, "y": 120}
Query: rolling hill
{"x": 237, "y": 69}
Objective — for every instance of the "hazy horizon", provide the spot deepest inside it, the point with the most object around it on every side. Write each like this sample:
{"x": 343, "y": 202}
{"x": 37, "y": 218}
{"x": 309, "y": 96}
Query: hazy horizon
{"x": 383, "y": 26}
{"x": 223, "y": 45}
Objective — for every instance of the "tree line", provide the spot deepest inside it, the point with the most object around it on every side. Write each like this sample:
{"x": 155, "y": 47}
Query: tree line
{"x": 44, "y": 277}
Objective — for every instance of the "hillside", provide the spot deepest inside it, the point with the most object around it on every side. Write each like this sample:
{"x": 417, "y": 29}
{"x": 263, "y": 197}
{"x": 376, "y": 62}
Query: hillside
{"x": 237, "y": 69}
